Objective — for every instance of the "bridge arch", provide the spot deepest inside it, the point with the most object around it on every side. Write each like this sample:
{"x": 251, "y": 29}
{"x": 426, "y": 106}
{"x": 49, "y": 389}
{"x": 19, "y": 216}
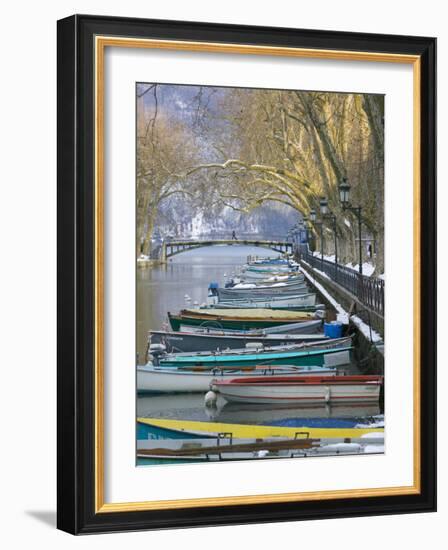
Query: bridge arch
{"x": 174, "y": 247}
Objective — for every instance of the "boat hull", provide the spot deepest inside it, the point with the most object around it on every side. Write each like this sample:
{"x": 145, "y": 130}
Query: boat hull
{"x": 152, "y": 379}
{"x": 271, "y": 277}
{"x": 303, "y": 328}
{"x": 227, "y": 319}
{"x": 149, "y": 428}
{"x": 315, "y": 358}
{"x": 268, "y": 392}
{"x": 190, "y": 342}
{"x": 304, "y": 300}
{"x": 262, "y": 292}
{"x": 228, "y": 448}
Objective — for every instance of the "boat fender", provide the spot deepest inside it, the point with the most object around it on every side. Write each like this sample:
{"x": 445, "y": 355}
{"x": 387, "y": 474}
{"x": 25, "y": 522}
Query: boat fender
{"x": 210, "y": 399}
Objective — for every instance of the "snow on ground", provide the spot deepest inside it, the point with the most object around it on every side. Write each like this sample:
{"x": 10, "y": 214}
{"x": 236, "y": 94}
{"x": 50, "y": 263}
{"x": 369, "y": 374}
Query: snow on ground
{"x": 329, "y": 258}
{"x": 337, "y": 306}
{"x": 342, "y": 315}
{"x": 366, "y": 329}
{"x": 367, "y": 267}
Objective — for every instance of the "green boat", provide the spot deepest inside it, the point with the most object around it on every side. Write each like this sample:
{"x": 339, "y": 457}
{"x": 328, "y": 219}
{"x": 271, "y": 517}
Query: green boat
{"x": 325, "y": 356}
{"x": 238, "y": 319}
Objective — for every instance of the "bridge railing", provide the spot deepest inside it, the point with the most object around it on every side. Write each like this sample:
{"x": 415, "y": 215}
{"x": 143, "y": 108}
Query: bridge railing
{"x": 228, "y": 236}
{"x": 368, "y": 290}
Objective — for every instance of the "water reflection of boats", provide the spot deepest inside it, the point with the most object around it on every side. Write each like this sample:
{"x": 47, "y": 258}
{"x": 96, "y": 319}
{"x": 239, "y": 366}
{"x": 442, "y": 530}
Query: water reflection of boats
{"x": 190, "y": 406}
{"x": 285, "y": 413}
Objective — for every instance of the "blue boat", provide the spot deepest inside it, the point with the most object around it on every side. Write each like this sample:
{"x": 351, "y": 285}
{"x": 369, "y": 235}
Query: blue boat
{"x": 146, "y": 430}
{"x": 325, "y": 354}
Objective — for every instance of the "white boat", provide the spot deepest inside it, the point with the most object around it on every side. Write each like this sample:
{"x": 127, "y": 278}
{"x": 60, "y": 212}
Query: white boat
{"x": 272, "y": 276}
{"x": 155, "y": 379}
{"x": 293, "y": 389}
{"x": 301, "y": 300}
{"x": 303, "y": 328}
{"x": 227, "y": 447}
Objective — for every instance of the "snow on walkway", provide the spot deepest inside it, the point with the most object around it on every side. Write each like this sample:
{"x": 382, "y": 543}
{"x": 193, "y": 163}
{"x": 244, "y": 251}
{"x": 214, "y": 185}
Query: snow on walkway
{"x": 343, "y": 316}
{"x": 367, "y": 267}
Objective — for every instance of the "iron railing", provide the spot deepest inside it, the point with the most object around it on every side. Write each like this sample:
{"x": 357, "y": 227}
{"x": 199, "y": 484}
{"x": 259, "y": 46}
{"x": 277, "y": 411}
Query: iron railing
{"x": 368, "y": 290}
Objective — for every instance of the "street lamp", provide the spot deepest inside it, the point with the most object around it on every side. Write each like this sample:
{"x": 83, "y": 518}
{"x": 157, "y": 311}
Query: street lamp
{"x": 344, "y": 192}
{"x": 305, "y": 221}
{"x": 323, "y": 203}
{"x": 328, "y": 215}
{"x": 344, "y": 196}
{"x": 312, "y": 215}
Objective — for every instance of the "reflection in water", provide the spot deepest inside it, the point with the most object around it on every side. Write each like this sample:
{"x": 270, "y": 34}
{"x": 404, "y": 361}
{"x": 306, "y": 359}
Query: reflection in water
{"x": 191, "y": 407}
{"x": 164, "y": 288}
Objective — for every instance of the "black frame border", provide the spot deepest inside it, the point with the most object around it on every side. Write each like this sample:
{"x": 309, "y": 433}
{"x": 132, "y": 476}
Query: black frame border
{"x": 75, "y": 272}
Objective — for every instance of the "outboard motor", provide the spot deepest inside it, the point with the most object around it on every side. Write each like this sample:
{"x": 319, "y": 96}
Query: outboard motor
{"x": 213, "y": 289}
{"x": 155, "y": 351}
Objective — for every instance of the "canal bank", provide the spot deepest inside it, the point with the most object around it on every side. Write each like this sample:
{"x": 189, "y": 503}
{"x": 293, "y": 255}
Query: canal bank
{"x": 344, "y": 307}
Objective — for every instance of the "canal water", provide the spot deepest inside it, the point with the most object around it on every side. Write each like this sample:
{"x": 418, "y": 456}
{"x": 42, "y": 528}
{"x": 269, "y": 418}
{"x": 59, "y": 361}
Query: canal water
{"x": 181, "y": 283}
{"x": 165, "y": 288}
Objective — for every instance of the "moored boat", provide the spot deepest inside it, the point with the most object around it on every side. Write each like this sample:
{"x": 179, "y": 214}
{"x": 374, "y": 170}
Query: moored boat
{"x": 159, "y": 379}
{"x": 271, "y": 276}
{"x": 264, "y": 292}
{"x": 329, "y": 354}
{"x": 286, "y": 302}
{"x": 228, "y": 448}
{"x": 220, "y": 340}
{"x": 214, "y": 327}
{"x": 300, "y": 389}
{"x": 270, "y": 282}
{"x": 160, "y": 428}
{"x": 240, "y": 319}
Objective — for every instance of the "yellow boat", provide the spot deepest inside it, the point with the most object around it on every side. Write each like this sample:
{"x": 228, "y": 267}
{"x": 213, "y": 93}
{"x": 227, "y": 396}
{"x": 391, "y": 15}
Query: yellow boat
{"x": 212, "y": 429}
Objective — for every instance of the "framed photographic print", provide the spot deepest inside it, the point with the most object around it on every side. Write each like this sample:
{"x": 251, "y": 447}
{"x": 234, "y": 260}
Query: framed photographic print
{"x": 246, "y": 274}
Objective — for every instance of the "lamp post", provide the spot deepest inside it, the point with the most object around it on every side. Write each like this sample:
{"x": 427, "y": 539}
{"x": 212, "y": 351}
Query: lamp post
{"x": 292, "y": 237}
{"x": 328, "y": 215}
{"x": 307, "y": 236}
{"x": 305, "y": 225}
{"x": 321, "y": 226}
{"x": 344, "y": 196}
